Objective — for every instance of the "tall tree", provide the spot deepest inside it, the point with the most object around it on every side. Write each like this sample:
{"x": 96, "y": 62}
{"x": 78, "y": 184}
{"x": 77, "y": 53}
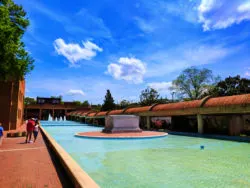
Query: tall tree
{"x": 193, "y": 82}
{"x": 78, "y": 103}
{"x": 29, "y": 100}
{"x": 85, "y": 103}
{"x": 123, "y": 104}
{"x": 15, "y": 61}
{"x": 108, "y": 102}
{"x": 149, "y": 96}
{"x": 231, "y": 86}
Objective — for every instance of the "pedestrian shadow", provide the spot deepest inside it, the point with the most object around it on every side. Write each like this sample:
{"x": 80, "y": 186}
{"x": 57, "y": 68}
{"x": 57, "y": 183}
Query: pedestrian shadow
{"x": 23, "y": 142}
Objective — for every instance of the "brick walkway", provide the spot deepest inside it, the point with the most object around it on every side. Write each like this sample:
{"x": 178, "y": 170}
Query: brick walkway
{"x": 29, "y": 165}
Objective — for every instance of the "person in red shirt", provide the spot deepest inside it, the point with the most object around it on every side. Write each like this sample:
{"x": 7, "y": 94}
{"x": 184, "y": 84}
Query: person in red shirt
{"x": 30, "y": 127}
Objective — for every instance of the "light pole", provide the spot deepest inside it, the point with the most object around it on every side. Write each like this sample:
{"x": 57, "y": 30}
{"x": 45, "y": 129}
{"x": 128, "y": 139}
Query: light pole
{"x": 173, "y": 96}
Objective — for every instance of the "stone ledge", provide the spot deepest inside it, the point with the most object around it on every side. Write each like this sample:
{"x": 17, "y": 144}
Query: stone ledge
{"x": 123, "y": 135}
{"x": 76, "y": 173}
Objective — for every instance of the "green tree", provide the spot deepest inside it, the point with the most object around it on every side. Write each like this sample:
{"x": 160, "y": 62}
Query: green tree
{"x": 231, "y": 86}
{"x": 124, "y": 104}
{"x": 108, "y": 102}
{"x": 149, "y": 96}
{"x": 15, "y": 61}
{"x": 29, "y": 100}
{"x": 78, "y": 103}
{"x": 96, "y": 107}
{"x": 85, "y": 103}
{"x": 163, "y": 100}
{"x": 192, "y": 83}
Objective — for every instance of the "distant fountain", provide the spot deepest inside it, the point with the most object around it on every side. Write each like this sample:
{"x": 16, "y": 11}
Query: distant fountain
{"x": 50, "y": 118}
{"x": 60, "y": 119}
{"x": 64, "y": 118}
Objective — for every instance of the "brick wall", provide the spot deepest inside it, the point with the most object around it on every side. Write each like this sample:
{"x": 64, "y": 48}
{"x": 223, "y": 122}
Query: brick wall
{"x": 11, "y": 104}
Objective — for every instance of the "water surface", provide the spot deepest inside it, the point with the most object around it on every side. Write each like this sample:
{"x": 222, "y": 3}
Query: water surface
{"x": 172, "y": 161}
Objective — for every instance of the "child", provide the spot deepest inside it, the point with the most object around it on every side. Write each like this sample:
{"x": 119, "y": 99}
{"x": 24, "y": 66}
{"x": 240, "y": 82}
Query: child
{"x": 35, "y": 131}
{"x": 1, "y": 134}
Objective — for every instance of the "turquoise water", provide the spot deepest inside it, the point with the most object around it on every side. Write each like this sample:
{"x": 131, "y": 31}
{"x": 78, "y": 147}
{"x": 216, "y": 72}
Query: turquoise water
{"x": 172, "y": 161}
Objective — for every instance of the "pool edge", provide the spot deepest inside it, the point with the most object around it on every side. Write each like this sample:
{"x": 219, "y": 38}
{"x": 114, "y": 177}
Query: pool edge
{"x": 78, "y": 176}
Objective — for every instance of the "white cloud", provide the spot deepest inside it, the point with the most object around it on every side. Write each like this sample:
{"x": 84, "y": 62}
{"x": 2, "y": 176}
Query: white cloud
{"x": 144, "y": 25}
{"x": 247, "y": 73}
{"x": 157, "y": 12}
{"x": 220, "y": 14}
{"x": 129, "y": 69}
{"x": 75, "y": 92}
{"x": 74, "y": 52}
{"x": 160, "y": 86}
{"x": 244, "y": 7}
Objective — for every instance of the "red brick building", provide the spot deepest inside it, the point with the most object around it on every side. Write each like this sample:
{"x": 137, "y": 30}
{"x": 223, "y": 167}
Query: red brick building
{"x": 11, "y": 104}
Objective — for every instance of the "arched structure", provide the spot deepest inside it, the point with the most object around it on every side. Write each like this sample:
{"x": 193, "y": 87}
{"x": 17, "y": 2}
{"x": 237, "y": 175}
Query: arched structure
{"x": 232, "y": 107}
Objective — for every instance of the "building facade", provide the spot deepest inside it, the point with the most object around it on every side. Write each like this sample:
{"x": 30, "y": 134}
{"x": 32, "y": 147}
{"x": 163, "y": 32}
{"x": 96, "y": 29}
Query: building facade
{"x": 53, "y": 107}
{"x": 11, "y": 104}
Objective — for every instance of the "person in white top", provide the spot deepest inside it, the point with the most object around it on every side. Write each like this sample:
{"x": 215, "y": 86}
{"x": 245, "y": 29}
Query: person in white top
{"x": 36, "y": 130}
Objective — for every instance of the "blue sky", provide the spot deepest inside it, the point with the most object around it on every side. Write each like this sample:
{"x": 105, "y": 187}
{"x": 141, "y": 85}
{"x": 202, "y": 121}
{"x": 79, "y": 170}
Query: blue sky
{"x": 81, "y": 48}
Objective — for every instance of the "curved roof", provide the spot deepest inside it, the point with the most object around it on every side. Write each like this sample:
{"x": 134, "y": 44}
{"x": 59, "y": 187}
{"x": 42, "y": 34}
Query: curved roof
{"x": 73, "y": 113}
{"x": 91, "y": 114}
{"x": 78, "y": 113}
{"x": 83, "y": 113}
{"x": 114, "y": 112}
{"x": 177, "y": 106}
{"x": 228, "y": 100}
{"x": 68, "y": 114}
{"x": 103, "y": 113}
{"x": 137, "y": 109}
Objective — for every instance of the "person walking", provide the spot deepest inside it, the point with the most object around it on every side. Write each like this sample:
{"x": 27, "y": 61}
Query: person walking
{"x": 30, "y": 127}
{"x": 1, "y": 133}
{"x": 36, "y": 130}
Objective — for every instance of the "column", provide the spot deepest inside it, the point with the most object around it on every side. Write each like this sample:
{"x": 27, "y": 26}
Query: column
{"x": 53, "y": 113}
{"x": 148, "y": 122}
{"x": 200, "y": 124}
{"x": 40, "y": 114}
{"x": 235, "y": 125}
{"x": 65, "y": 112}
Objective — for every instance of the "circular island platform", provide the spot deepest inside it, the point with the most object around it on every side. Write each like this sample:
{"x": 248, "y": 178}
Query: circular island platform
{"x": 123, "y": 135}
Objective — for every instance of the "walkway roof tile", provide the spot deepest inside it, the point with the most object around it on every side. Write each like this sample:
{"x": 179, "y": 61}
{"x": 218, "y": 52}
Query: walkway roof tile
{"x": 137, "y": 109}
{"x": 103, "y": 113}
{"x": 115, "y": 112}
{"x": 177, "y": 106}
{"x": 228, "y": 100}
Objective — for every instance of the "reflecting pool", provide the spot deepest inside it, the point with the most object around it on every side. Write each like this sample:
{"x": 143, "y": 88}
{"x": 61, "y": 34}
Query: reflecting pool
{"x": 171, "y": 161}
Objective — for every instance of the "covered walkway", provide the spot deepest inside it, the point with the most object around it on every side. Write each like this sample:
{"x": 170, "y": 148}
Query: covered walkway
{"x": 229, "y": 115}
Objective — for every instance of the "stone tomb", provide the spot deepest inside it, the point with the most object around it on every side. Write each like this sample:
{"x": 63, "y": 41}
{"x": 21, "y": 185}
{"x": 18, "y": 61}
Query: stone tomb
{"x": 121, "y": 123}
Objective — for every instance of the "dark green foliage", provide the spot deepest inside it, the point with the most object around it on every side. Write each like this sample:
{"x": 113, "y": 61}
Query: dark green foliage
{"x": 163, "y": 100}
{"x": 85, "y": 103}
{"x": 193, "y": 82}
{"x": 108, "y": 102}
{"x": 149, "y": 96}
{"x": 231, "y": 86}
{"x": 15, "y": 61}
{"x": 78, "y": 103}
{"x": 96, "y": 107}
{"x": 29, "y": 100}
{"x": 123, "y": 104}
